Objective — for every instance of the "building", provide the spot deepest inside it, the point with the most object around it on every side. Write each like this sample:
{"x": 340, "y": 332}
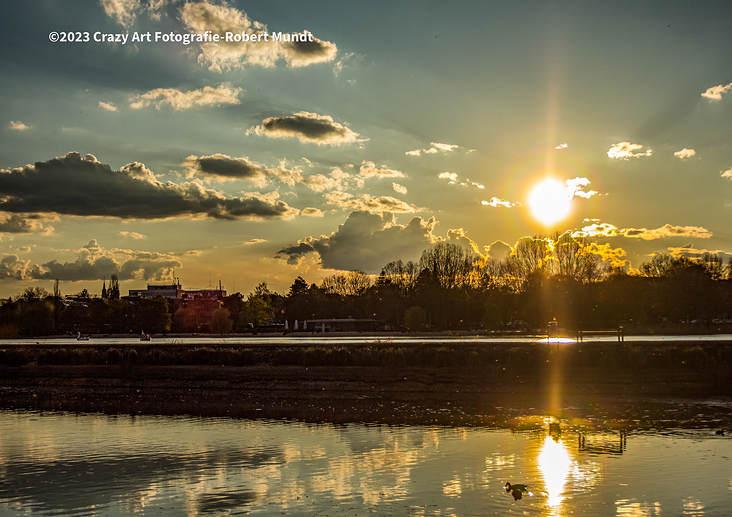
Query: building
{"x": 196, "y": 306}
{"x": 175, "y": 292}
{"x": 169, "y": 291}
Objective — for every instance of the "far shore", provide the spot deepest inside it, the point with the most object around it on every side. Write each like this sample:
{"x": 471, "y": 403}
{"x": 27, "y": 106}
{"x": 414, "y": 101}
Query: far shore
{"x": 627, "y": 332}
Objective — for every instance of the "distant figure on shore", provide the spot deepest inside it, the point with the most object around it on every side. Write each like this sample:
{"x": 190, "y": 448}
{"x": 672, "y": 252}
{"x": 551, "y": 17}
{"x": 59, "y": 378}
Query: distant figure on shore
{"x": 144, "y": 337}
{"x": 79, "y": 337}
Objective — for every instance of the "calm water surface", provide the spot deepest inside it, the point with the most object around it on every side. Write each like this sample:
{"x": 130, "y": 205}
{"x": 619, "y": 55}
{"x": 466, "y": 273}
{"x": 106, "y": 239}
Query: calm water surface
{"x": 66, "y": 464}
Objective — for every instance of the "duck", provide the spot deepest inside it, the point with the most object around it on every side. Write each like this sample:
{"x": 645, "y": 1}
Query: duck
{"x": 520, "y": 487}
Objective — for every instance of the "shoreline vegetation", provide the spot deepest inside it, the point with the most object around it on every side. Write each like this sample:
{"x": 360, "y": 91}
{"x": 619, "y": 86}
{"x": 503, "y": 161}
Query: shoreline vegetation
{"x": 446, "y": 383}
{"x": 560, "y": 282}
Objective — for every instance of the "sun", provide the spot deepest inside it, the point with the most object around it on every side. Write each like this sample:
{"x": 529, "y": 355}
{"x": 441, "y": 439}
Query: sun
{"x": 549, "y": 202}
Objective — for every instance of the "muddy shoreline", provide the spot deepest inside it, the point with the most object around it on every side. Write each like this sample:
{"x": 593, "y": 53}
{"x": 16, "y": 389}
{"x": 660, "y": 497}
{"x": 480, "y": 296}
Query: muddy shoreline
{"x": 687, "y": 385}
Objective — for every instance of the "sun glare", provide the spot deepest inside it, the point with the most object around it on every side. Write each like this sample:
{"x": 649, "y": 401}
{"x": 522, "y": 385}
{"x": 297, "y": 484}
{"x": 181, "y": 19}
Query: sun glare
{"x": 554, "y": 464}
{"x": 549, "y": 202}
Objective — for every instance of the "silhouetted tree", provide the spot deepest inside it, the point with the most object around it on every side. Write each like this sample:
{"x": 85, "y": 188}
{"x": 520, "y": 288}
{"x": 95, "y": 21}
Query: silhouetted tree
{"x": 152, "y": 315}
{"x": 258, "y": 308}
{"x": 415, "y": 318}
{"x": 221, "y": 322}
{"x": 184, "y": 320}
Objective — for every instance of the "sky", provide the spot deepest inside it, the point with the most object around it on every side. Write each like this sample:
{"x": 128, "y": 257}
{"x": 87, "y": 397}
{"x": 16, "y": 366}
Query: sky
{"x": 133, "y": 143}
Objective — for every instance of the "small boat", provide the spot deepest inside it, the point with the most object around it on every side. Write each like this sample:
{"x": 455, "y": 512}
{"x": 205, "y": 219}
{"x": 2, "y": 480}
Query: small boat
{"x": 79, "y": 337}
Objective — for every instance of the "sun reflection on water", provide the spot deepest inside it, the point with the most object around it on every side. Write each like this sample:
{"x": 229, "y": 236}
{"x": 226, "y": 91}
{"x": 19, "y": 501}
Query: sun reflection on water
{"x": 554, "y": 464}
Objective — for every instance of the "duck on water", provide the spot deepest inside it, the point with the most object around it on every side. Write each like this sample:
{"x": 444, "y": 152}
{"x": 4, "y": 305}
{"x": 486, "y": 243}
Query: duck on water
{"x": 517, "y": 490}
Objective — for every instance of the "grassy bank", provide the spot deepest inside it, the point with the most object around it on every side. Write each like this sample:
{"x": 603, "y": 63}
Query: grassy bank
{"x": 413, "y": 383}
{"x": 710, "y": 358}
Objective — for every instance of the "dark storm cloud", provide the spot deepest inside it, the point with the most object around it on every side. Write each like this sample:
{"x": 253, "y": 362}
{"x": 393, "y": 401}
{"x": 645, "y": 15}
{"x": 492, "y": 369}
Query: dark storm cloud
{"x": 308, "y": 127}
{"x": 366, "y": 242}
{"x": 77, "y": 186}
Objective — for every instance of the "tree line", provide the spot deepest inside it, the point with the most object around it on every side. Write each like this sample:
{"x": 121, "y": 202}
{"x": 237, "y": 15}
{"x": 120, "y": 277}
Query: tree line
{"x": 448, "y": 288}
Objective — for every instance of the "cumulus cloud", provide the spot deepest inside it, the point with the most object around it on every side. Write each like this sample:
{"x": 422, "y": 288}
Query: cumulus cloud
{"x": 107, "y": 106}
{"x": 369, "y": 203}
{"x": 336, "y": 180}
{"x": 369, "y": 170}
{"x": 200, "y": 17}
{"x": 460, "y": 237}
{"x": 453, "y": 179}
{"x": 23, "y": 223}
{"x": 93, "y": 262}
{"x": 625, "y": 150}
{"x": 495, "y": 202}
{"x": 365, "y": 242}
{"x": 224, "y": 167}
{"x": 253, "y": 241}
{"x": 575, "y": 187}
{"x": 223, "y": 94}
{"x": 312, "y": 212}
{"x": 726, "y": 174}
{"x": 665, "y": 231}
{"x": 13, "y": 268}
{"x": 317, "y": 182}
{"x": 435, "y": 148}
{"x": 715, "y": 92}
{"x": 613, "y": 256}
{"x": 499, "y": 250}
{"x": 685, "y": 153}
{"x": 561, "y": 146}
{"x": 597, "y": 230}
{"x": 308, "y": 128}
{"x": 17, "y": 125}
{"x": 123, "y": 11}
{"x": 138, "y": 171}
{"x": 688, "y": 250}
{"x": 133, "y": 235}
{"x": 401, "y": 189}
{"x": 72, "y": 185}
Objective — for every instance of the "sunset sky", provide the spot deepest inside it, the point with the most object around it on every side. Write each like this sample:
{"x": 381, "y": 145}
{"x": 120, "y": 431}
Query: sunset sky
{"x": 400, "y": 125}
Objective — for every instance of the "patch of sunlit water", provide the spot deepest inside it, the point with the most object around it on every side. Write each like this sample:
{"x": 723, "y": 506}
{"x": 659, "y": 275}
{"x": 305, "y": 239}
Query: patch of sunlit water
{"x": 554, "y": 464}
{"x": 632, "y": 508}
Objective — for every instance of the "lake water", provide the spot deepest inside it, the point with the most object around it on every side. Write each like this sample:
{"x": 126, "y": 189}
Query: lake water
{"x": 68, "y": 464}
